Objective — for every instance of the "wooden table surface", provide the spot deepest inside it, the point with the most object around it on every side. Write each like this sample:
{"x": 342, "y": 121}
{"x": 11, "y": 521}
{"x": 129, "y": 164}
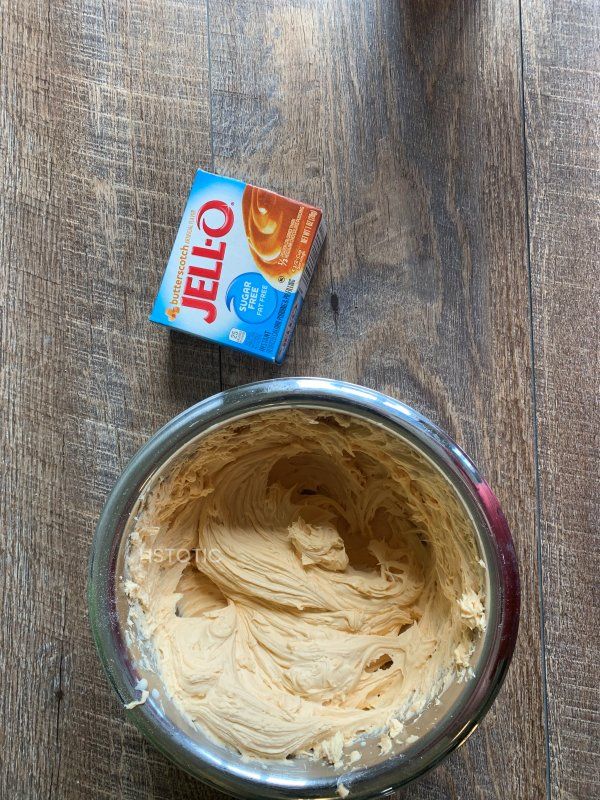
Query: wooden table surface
{"x": 454, "y": 146}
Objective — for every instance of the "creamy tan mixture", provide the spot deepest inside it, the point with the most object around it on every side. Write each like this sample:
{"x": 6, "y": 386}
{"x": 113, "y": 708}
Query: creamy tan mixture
{"x": 302, "y": 578}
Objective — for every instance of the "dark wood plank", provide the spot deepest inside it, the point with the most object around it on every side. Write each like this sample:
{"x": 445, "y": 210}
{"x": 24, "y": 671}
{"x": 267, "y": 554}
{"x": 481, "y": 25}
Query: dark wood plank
{"x": 562, "y": 95}
{"x": 403, "y": 120}
{"x": 104, "y": 118}
{"x": 32, "y": 357}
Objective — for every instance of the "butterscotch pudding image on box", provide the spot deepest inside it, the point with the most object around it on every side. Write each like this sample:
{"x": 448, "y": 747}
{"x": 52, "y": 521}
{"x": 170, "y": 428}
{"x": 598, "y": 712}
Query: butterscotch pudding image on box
{"x": 272, "y": 225}
{"x": 327, "y": 585}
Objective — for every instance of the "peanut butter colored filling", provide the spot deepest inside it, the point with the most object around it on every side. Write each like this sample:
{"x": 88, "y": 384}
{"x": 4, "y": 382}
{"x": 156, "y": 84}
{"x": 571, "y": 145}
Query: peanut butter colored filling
{"x": 333, "y": 585}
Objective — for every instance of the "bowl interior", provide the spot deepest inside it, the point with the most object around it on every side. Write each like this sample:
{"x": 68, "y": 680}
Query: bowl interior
{"x": 162, "y": 722}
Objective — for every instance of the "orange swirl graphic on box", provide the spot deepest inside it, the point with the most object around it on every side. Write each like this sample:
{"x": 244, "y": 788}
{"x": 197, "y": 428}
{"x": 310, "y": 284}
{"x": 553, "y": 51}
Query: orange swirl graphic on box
{"x": 273, "y": 226}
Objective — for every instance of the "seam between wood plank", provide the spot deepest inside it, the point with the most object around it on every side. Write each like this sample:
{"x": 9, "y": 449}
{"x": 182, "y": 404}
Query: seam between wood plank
{"x": 55, "y": 783}
{"x": 211, "y": 137}
{"x": 55, "y": 772}
{"x": 536, "y": 460}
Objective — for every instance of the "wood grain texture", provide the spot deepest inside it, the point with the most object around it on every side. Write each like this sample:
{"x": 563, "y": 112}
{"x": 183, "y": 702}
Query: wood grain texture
{"x": 33, "y": 345}
{"x": 562, "y": 103}
{"x": 403, "y": 120}
{"x": 104, "y": 119}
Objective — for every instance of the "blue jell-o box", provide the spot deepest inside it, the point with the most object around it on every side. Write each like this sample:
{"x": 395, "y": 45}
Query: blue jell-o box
{"x": 240, "y": 266}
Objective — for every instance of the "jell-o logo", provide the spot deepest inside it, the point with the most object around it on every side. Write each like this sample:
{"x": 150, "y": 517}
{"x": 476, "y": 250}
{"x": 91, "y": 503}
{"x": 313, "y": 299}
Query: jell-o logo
{"x": 202, "y": 282}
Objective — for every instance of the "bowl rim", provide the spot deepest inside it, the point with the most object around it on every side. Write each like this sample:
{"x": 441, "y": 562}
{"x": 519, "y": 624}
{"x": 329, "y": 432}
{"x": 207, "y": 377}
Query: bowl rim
{"x": 501, "y": 561}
